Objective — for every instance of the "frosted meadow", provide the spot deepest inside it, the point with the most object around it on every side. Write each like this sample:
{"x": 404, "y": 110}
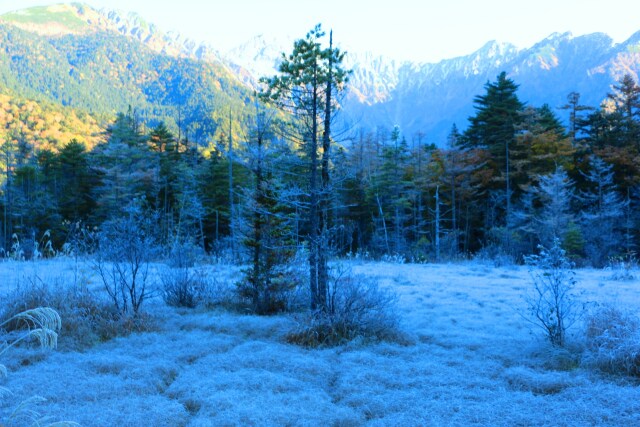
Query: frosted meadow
{"x": 466, "y": 356}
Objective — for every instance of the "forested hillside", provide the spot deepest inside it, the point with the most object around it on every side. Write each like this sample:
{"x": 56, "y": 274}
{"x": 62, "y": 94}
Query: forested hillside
{"x": 103, "y": 72}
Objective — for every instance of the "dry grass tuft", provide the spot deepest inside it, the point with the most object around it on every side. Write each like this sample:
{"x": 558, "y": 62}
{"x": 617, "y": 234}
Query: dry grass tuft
{"x": 88, "y": 318}
{"x": 43, "y": 324}
{"x": 613, "y": 341}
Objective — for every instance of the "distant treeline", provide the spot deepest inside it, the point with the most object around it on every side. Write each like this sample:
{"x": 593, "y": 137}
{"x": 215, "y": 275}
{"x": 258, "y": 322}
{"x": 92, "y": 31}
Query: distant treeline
{"x": 516, "y": 178}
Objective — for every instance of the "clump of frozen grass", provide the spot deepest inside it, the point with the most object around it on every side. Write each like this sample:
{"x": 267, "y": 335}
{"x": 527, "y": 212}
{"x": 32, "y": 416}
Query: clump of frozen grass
{"x": 30, "y": 248}
{"x": 613, "y": 341}
{"x": 356, "y": 308}
{"x": 555, "y": 358}
{"x": 44, "y": 248}
{"x": 80, "y": 240}
{"x": 359, "y": 255}
{"x": 394, "y": 258}
{"x": 88, "y": 318}
{"x": 623, "y": 268}
{"x": 16, "y": 251}
{"x": 552, "y": 304}
{"x": 42, "y": 324}
{"x": 538, "y": 382}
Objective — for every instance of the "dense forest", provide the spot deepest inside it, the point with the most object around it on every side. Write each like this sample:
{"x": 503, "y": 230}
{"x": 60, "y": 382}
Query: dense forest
{"x": 99, "y": 72}
{"x": 515, "y": 178}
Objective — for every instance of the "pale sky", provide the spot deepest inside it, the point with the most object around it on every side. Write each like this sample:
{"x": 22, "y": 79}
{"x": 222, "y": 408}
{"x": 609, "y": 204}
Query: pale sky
{"x": 424, "y": 31}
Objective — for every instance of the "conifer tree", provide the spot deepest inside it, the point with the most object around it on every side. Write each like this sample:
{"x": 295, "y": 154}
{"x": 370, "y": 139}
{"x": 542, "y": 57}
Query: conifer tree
{"x": 555, "y": 218}
{"x": 493, "y": 128}
{"x": 306, "y": 87}
{"x": 268, "y": 224}
{"x": 602, "y": 216}
{"x": 128, "y": 167}
{"x": 76, "y": 181}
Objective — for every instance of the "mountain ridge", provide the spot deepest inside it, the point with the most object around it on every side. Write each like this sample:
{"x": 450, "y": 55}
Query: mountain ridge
{"x": 421, "y": 97}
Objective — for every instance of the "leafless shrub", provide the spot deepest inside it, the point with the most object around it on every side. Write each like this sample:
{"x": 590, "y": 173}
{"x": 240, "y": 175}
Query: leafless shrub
{"x": 552, "y": 304}
{"x": 183, "y": 285}
{"x": 356, "y": 307}
{"x": 125, "y": 248}
{"x": 613, "y": 341}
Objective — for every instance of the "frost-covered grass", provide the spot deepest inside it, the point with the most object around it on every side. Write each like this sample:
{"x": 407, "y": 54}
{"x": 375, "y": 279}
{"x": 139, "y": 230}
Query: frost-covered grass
{"x": 470, "y": 358}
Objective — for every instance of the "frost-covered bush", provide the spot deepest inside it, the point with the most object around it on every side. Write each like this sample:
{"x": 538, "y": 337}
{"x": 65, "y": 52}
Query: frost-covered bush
{"x": 191, "y": 287}
{"x": 356, "y": 307}
{"x": 126, "y": 246}
{"x": 182, "y": 284}
{"x": 184, "y": 254}
{"x": 180, "y": 287}
{"x": 613, "y": 341}
{"x": 552, "y": 303}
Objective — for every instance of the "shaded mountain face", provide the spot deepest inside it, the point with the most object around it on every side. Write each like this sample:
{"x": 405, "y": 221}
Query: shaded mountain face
{"x": 429, "y": 98}
{"x": 103, "y": 61}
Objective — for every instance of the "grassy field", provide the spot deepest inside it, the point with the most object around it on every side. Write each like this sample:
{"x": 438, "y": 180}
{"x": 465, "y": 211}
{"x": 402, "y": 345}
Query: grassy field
{"x": 469, "y": 358}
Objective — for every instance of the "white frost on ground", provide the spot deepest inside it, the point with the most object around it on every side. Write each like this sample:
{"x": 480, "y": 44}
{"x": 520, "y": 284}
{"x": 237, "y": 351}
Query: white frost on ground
{"x": 471, "y": 360}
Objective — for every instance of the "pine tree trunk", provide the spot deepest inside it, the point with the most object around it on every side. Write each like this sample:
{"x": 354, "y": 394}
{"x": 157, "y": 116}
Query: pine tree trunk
{"x": 257, "y": 227}
{"x": 325, "y": 220}
{"x": 231, "y": 202}
{"x": 314, "y": 250}
{"x": 437, "y": 236}
{"x": 384, "y": 224}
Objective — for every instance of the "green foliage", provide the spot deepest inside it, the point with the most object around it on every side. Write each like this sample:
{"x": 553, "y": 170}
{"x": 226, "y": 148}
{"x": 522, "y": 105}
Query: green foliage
{"x": 497, "y": 116}
{"x": 103, "y": 72}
